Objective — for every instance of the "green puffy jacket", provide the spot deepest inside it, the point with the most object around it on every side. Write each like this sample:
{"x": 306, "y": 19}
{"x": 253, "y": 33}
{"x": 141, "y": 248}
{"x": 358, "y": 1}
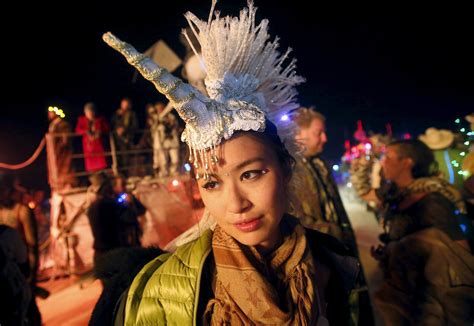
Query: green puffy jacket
{"x": 151, "y": 303}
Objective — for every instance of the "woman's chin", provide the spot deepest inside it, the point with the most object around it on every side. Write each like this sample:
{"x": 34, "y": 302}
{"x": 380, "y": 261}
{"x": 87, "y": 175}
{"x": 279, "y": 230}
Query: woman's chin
{"x": 254, "y": 239}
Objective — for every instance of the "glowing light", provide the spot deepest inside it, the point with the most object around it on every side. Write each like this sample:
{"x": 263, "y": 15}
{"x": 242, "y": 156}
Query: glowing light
{"x": 454, "y": 161}
{"x": 32, "y": 205}
{"x": 60, "y": 113}
{"x": 284, "y": 117}
{"x": 335, "y": 167}
{"x": 464, "y": 173}
{"x": 349, "y": 185}
{"x": 122, "y": 198}
{"x": 450, "y": 169}
{"x": 368, "y": 146}
{"x": 466, "y": 143}
{"x": 462, "y": 153}
{"x": 463, "y": 227}
{"x": 457, "y": 120}
{"x": 175, "y": 182}
{"x": 187, "y": 167}
{"x": 462, "y": 129}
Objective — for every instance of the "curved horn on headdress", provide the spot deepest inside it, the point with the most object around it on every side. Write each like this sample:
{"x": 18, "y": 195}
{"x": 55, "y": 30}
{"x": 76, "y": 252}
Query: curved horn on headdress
{"x": 208, "y": 121}
{"x": 182, "y": 95}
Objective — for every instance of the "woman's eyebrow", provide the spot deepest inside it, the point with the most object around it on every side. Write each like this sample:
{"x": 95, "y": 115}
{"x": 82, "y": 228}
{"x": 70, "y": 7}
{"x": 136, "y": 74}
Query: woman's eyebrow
{"x": 240, "y": 165}
{"x": 247, "y": 162}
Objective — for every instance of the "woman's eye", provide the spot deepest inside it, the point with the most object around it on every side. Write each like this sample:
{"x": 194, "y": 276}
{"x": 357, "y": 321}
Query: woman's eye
{"x": 249, "y": 175}
{"x": 210, "y": 185}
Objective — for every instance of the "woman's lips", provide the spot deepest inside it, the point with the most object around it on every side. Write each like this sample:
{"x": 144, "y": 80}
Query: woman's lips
{"x": 249, "y": 225}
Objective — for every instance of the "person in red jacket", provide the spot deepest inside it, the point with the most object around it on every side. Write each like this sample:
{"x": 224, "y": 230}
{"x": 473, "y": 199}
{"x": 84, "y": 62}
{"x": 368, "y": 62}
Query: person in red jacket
{"x": 92, "y": 128}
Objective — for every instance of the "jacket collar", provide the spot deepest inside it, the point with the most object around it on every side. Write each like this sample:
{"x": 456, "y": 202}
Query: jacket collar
{"x": 337, "y": 256}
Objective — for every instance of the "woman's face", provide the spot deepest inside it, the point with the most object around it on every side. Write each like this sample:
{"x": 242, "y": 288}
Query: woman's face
{"x": 246, "y": 191}
{"x": 89, "y": 113}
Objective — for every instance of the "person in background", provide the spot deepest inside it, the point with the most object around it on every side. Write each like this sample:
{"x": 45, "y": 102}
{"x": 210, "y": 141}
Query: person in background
{"x": 413, "y": 195}
{"x": 145, "y": 144}
{"x": 157, "y": 129}
{"x": 366, "y": 171}
{"x": 19, "y": 217}
{"x": 426, "y": 258}
{"x": 319, "y": 203}
{"x": 15, "y": 292}
{"x": 320, "y": 206}
{"x": 106, "y": 217}
{"x": 171, "y": 143}
{"x": 93, "y": 128}
{"x": 165, "y": 130}
{"x": 124, "y": 126}
{"x": 59, "y": 151}
{"x": 132, "y": 210}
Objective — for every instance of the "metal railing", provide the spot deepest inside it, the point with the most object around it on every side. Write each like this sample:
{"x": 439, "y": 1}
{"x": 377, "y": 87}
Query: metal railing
{"x": 66, "y": 159}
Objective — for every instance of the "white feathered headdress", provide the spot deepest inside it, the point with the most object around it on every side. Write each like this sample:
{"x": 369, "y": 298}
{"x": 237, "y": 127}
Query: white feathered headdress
{"x": 246, "y": 81}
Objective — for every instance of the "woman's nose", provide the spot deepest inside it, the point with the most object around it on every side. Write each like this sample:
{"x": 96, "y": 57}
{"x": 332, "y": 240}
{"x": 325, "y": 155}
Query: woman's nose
{"x": 237, "y": 200}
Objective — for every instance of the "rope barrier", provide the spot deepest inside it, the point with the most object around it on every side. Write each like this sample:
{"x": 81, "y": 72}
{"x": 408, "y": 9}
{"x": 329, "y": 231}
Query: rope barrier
{"x": 28, "y": 161}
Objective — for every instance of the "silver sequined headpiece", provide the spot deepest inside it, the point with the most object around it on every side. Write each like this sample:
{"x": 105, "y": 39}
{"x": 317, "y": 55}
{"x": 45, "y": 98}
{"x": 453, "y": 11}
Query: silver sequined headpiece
{"x": 245, "y": 81}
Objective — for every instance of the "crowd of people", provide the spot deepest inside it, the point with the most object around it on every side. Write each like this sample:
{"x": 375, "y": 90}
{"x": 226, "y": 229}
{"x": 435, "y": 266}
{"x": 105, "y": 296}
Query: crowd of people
{"x": 119, "y": 146}
{"x": 115, "y": 216}
{"x": 426, "y": 249}
{"x": 274, "y": 244}
{"x": 251, "y": 199}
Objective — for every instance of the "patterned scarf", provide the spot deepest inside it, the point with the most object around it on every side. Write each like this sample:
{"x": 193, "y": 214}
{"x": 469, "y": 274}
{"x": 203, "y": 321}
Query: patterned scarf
{"x": 251, "y": 289}
{"x": 436, "y": 184}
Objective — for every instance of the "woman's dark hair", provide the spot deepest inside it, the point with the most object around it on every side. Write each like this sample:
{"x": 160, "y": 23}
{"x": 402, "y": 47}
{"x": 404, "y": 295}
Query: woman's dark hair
{"x": 424, "y": 164}
{"x": 271, "y": 138}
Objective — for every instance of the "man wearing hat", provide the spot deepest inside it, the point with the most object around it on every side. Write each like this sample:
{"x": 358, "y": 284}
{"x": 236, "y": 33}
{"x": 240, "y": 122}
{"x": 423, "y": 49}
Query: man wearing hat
{"x": 448, "y": 157}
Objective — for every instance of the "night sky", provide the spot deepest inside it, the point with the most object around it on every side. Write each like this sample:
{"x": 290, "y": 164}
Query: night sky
{"x": 411, "y": 67}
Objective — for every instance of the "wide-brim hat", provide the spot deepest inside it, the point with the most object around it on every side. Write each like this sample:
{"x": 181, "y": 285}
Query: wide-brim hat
{"x": 469, "y": 118}
{"x": 437, "y": 138}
